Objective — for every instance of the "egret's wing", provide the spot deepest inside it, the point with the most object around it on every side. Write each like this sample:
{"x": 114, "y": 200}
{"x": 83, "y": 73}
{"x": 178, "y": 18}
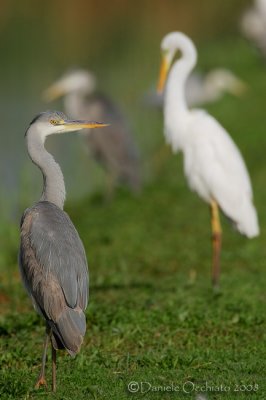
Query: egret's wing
{"x": 214, "y": 165}
{"x": 52, "y": 243}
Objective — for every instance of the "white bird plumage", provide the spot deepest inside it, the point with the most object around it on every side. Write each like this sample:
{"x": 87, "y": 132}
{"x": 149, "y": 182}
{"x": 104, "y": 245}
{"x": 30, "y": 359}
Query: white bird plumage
{"x": 253, "y": 24}
{"x": 213, "y": 164}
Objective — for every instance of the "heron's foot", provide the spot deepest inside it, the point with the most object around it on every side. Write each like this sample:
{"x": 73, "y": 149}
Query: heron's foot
{"x": 41, "y": 382}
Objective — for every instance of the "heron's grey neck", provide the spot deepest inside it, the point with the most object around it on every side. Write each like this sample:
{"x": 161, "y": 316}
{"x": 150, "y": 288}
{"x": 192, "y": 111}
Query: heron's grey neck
{"x": 53, "y": 180}
{"x": 74, "y": 104}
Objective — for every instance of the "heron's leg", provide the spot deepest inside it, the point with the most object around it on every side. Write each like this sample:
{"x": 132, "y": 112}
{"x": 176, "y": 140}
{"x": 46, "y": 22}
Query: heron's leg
{"x": 216, "y": 243}
{"x": 41, "y": 379}
{"x": 111, "y": 183}
{"x": 160, "y": 158}
{"x": 53, "y": 368}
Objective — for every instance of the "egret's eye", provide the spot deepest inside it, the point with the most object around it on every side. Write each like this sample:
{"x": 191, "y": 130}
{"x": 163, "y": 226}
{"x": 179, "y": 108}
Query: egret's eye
{"x": 53, "y": 121}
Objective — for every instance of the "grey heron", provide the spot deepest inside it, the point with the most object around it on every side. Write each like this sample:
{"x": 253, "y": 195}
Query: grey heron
{"x": 213, "y": 165}
{"x": 204, "y": 89}
{"x": 52, "y": 258}
{"x": 113, "y": 148}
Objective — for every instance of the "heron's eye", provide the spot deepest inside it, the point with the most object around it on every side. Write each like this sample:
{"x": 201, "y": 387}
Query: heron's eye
{"x": 53, "y": 122}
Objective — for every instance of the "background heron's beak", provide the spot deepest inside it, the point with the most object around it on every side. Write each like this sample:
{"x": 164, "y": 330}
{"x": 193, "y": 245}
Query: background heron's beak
{"x": 53, "y": 92}
{"x": 238, "y": 88}
{"x": 77, "y": 125}
{"x": 163, "y": 74}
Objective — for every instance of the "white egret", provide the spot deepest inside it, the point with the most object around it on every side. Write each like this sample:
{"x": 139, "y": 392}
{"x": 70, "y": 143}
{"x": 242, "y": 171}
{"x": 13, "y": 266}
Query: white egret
{"x": 213, "y": 165}
{"x": 253, "y": 25}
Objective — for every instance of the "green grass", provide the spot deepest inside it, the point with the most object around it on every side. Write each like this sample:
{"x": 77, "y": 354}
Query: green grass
{"x": 153, "y": 316}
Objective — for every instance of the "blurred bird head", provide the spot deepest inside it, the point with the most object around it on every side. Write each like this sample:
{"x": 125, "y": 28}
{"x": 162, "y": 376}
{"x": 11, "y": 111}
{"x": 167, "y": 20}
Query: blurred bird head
{"x": 174, "y": 43}
{"x": 78, "y": 80}
{"x": 222, "y": 80}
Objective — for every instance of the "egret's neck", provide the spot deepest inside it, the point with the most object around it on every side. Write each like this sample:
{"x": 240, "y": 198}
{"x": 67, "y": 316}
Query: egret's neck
{"x": 175, "y": 106}
{"x": 175, "y": 86}
{"x": 53, "y": 180}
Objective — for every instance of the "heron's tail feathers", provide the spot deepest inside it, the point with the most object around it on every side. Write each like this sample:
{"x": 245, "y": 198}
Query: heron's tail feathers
{"x": 69, "y": 330}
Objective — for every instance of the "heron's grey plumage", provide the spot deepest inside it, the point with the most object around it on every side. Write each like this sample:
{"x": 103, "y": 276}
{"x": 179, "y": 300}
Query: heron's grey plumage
{"x": 52, "y": 258}
{"x": 54, "y": 270}
{"x": 114, "y": 148}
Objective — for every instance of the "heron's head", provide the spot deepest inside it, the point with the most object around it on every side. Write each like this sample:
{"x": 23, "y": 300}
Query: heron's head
{"x": 222, "y": 80}
{"x": 54, "y": 122}
{"x": 75, "y": 81}
{"x": 172, "y": 44}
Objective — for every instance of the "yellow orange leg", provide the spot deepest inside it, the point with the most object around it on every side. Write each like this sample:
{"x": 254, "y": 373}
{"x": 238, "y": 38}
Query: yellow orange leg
{"x": 216, "y": 243}
{"x": 41, "y": 381}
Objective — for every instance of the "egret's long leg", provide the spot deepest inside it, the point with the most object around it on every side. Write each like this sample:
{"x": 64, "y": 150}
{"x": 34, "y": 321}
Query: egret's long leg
{"x": 53, "y": 368}
{"x": 216, "y": 243}
{"x": 41, "y": 379}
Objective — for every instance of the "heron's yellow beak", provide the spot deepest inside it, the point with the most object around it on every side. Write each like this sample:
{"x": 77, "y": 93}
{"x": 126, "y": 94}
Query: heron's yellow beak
{"x": 53, "y": 92}
{"x": 163, "y": 74}
{"x": 77, "y": 125}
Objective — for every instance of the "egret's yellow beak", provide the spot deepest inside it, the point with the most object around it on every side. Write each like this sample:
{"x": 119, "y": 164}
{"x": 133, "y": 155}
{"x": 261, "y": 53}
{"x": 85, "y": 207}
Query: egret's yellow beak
{"x": 53, "y": 92}
{"x": 77, "y": 125}
{"x": 163, "y": 73}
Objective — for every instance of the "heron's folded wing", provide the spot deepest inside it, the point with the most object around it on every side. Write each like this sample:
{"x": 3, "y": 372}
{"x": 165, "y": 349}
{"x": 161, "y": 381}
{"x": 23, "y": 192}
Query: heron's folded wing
{"x": 59, "y": 255}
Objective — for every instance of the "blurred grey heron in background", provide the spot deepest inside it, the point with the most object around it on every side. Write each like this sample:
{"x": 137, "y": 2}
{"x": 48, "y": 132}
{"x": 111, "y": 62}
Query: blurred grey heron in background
{"x": 52, "y": 258}
{"x": 114, "y": 148}
{"x": 203, "y": 89}
{"x": 253, "y": 25}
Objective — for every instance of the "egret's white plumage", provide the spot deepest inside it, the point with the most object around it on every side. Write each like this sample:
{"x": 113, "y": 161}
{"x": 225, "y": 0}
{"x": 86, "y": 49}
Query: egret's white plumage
{"x": 215, "y": 170}
{"x": 213, "y": 164}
